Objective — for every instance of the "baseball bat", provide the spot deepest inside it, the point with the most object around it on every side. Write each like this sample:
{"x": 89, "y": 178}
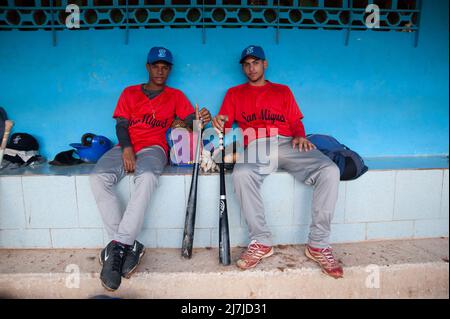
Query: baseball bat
{"x": 8, "y": 126}
{"x": 189, "y": 223}
{"x": 224, "y": 234}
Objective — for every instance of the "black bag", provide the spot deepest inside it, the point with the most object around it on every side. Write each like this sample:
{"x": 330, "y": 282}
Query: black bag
{"x": 351, "y": 165}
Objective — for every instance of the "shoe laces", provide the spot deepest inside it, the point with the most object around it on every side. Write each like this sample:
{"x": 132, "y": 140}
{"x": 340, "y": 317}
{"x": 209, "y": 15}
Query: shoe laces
{"x": 252, "y": 249}
{"x": 328, "y": 254}
{"x": 117, "y": 257}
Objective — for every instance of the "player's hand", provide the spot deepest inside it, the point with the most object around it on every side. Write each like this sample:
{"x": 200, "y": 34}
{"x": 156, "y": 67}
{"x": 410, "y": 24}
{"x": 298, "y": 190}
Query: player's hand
{"x": 302, "y": 144}
{"x": 205, "y": 116}
{"x": 129, "y": 159}
{"x": 218, "y": 122}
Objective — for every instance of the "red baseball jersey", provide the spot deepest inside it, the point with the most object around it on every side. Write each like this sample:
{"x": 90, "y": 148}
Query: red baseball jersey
{"x": 150, "y": 119}
{"x": 263, "y": 107}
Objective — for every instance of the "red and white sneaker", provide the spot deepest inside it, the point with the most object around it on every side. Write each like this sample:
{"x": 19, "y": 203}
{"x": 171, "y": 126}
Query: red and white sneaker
{"x": 253, "y": 255}
{"x": 324, "y": 257}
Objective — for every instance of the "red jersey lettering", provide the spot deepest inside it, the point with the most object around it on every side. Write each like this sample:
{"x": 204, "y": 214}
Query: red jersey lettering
{"x": 271, "y": 106}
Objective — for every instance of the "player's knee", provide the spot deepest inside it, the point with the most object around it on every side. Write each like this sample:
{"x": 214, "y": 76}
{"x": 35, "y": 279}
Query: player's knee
{"x": 101, "y": 180}
{"x": 242, "y": 174}
{"x": 331, "y": 172}
{"x": 148, "y": 177}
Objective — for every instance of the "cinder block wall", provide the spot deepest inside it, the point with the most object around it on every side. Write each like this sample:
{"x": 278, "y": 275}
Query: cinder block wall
{"x": 60, "y": 212}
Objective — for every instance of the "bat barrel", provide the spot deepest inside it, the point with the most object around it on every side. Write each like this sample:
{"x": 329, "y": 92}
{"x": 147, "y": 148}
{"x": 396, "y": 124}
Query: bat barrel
{"x": 189, "y": 225}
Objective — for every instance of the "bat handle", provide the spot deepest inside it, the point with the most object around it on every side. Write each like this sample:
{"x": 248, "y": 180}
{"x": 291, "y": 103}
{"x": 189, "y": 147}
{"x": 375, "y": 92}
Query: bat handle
{"x": 8, "y": 126}
{"x": 221, "y": 140}
{"x": 221, "y": 146}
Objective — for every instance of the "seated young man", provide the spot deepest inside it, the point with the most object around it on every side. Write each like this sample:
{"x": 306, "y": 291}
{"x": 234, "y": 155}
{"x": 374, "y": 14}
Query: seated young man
{"x": 265, "y": 107}
{"x": 143, "y": 114}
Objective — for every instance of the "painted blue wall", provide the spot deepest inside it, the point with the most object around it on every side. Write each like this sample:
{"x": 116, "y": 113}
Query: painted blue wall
{"x": 379, "y": 95}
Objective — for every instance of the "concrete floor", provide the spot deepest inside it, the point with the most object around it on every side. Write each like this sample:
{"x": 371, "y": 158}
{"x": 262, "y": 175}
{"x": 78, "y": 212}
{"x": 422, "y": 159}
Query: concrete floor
{"x": 383, "y": 269}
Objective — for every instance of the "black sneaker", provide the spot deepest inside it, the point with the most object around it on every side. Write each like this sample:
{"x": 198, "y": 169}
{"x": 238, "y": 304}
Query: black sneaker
{"x": 112, "y": 258}
{"x": 132, "y": 259}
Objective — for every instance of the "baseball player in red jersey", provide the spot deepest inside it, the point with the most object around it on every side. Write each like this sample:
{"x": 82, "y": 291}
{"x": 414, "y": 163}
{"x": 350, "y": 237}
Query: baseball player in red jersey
{"x": 270, "y": 112}
{"x": 143, "y": 114}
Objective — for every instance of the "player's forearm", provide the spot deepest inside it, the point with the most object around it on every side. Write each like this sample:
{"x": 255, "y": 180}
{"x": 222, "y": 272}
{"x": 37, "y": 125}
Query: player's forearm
{"x": 122, "y": 132}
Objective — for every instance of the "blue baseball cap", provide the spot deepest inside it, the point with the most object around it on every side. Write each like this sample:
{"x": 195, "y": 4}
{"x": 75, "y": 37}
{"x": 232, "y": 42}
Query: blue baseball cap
{"x": 159, "y": 54}
{"x": 253, "y": 51}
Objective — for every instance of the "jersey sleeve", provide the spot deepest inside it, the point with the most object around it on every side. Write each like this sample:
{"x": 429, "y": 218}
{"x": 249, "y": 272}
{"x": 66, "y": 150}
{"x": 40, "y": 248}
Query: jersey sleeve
{"x": 183, "y": 107}
{"x": 295, "y": 116}
{"x": 123, "y": 107}
{"x": 228, "y": 108}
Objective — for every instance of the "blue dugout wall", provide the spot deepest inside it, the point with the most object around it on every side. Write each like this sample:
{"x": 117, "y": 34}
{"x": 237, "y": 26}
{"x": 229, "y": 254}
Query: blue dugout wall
{"x": 381, "y": 93}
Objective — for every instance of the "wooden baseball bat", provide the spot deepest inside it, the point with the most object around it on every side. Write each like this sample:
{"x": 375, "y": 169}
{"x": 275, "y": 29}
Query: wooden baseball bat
{"x": 8, "y": 126}
{"x": 189, "y": 224}
{"x": 224, "y": 234}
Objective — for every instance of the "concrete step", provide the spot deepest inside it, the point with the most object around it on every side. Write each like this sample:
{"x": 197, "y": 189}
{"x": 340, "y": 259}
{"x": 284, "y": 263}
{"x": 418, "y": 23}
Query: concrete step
{"x": 383, "y": 269}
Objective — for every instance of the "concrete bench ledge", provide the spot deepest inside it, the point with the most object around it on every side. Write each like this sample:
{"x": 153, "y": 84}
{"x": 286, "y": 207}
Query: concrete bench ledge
{"x": 406, "y": 268}
{"x": 374, "y": 163}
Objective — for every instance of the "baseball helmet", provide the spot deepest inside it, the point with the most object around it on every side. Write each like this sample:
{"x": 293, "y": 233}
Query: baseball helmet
{"x": 92, "y": 147}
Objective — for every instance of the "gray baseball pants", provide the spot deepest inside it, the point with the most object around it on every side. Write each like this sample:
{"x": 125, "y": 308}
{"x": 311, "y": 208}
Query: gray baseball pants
{"x": 125, "y": 226}
{"x": 309, "y": 167}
